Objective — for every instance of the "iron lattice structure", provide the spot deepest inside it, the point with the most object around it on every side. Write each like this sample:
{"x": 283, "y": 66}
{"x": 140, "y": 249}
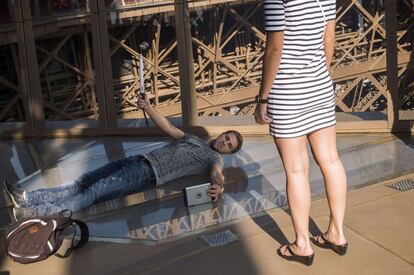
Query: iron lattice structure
{"x": 227, "y": 39}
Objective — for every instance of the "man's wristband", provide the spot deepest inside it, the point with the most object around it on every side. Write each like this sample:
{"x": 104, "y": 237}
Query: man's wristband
{"x": 260, "y": 100}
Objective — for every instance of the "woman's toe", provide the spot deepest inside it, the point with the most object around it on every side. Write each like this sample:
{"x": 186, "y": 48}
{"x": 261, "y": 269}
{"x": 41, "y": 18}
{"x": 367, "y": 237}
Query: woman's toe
{"x": 286, "y": 251}
{"x": 319, "y": 239}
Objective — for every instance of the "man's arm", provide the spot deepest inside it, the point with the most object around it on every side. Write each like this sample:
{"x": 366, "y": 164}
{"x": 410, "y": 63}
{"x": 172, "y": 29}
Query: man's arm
{"x": 159, "y": 120}
{"x": 217, "y": 182}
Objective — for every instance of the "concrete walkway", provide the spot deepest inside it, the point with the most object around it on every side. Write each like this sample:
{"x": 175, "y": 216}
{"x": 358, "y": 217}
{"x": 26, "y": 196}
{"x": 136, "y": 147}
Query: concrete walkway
{"x": 379, "y": 226}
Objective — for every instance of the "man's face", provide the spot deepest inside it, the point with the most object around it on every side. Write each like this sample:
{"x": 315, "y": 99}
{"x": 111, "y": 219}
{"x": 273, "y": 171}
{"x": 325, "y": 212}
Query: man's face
{"x": 225, "y": 143}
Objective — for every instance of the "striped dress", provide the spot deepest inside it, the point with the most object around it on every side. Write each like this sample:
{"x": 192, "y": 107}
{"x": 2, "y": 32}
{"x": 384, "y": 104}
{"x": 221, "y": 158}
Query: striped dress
{"x": 302, "y": 98}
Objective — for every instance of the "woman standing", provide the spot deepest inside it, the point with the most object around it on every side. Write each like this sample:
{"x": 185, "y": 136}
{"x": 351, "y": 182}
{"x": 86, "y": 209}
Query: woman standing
{"x": 296, "y": 98}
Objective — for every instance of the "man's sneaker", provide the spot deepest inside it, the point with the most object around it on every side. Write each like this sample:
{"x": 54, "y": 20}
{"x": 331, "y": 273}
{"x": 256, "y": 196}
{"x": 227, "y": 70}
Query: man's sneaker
{"x": 18, "y": 214}
{"x": 15, "y": 193}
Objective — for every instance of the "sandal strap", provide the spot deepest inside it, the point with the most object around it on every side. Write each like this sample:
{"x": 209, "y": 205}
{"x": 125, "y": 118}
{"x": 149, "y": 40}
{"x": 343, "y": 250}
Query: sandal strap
{"x": 324, "y": 239}
{"x": 290, "y": 250}
{"x": 331, "y": 243}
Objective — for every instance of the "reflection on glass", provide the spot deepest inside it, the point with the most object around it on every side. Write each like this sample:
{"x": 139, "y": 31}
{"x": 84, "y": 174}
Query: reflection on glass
{"x": 46, "y": 8}
{"x": 68, "y": 168}
{"x": 17, "y": 162}
{"x": 5, "y": 12}
{"x": 128, "y": 4}
{"x": 172, "y": 219}
{"x": 11, "y": 104}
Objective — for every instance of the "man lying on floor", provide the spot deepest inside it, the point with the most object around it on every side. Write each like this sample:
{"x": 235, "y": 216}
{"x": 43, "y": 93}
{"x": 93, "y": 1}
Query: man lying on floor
{"x": 187, "y": 155}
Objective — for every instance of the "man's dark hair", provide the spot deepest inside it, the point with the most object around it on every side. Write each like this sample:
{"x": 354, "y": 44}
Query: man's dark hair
{"x": 239, "y": 138}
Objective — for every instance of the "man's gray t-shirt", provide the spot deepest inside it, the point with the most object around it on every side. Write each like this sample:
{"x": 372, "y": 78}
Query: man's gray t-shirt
{"x": 187, "y": 156}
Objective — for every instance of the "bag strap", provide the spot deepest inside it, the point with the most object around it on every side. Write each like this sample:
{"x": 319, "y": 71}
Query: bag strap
{"x": 84, "y": 237}
{"x": 324, "y": 17}
{"x": 323, "y": 12}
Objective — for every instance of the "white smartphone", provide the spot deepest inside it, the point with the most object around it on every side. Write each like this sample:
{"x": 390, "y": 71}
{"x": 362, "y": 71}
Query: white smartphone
{"x": 197, "y": 194}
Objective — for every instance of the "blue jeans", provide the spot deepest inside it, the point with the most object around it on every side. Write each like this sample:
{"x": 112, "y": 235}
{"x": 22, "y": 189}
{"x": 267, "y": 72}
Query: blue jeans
{"x": 115, "y": 179}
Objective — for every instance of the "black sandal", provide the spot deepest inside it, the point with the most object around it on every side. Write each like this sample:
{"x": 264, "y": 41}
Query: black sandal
{"x": 338, "y": 249}
{"x": 306, "y": 260}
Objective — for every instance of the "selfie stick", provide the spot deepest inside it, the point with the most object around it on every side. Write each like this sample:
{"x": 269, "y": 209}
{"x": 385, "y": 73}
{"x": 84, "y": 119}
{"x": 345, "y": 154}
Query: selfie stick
{"x": 142, "y": 47}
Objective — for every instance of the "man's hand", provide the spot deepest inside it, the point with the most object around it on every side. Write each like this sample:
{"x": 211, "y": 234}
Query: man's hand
{"x": 217, "y": 182}
{"x": 143, "y": 103}
{"x": 159, "y": 120}
{"x": 214, "y": 191}
{"x": 260, "y": 114}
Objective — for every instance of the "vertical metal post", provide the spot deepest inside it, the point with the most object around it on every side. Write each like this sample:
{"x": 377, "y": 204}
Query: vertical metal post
{"x": 29, "y": 67}
{"x": 394, "y": 122}
{"x": 103, "y": 70}
{"x": 185, "y": 63}
{"x": 12, "y": 10}
{"x": 392, "y": 62}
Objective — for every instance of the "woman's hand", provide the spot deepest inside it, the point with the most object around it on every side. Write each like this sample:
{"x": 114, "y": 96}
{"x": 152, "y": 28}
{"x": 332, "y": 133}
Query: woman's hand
{"x": 260, "y": 114}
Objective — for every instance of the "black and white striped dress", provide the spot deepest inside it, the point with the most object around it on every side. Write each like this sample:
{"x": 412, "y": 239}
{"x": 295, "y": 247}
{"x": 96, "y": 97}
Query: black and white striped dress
{"x": 302, "y": 98}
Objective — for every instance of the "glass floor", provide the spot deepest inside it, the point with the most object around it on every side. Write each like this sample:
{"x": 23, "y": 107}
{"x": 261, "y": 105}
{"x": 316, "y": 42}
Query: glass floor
{"x": 255, "y": 181}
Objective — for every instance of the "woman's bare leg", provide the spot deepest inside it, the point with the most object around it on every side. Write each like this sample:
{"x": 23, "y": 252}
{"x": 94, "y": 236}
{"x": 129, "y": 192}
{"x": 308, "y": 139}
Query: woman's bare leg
{"x": 296, "y": 163}
{"x": 323, "y": 143}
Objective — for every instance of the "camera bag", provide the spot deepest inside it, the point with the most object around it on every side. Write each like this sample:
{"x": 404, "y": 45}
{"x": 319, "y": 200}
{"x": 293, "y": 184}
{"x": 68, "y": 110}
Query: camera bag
{"x": 36, "y": 238}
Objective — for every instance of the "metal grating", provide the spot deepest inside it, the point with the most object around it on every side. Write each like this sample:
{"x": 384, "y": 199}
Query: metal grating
{"x": 403, "y": 185}
{"x": 219, "y": 239}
